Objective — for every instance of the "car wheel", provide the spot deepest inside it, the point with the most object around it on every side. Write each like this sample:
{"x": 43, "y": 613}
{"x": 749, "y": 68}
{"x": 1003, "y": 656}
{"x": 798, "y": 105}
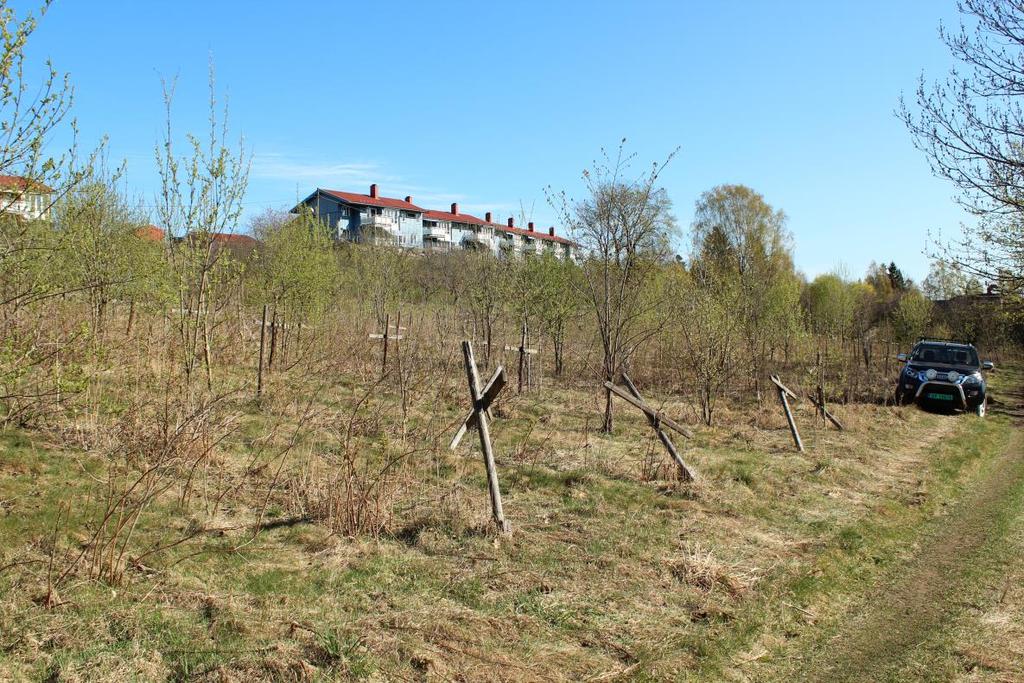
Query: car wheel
{"x": 981, "y": 408}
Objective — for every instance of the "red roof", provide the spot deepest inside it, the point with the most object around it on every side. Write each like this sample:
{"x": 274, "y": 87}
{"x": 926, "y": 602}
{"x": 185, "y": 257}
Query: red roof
{"x": 367, "y": 200}
{"x": 453, "y": 217}
{"x": 536, "y": 234}
{"x": 150, "y": 233}
{"x": 473, "y": 220}
{"x": 19, "y": 183}
{"x": 430, "y": 214}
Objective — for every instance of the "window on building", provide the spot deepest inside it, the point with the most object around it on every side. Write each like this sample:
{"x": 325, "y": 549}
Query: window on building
{"x": 408, "y": 214}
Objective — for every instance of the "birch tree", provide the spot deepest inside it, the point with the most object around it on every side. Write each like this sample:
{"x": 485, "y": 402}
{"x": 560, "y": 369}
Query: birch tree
{"x": 970, "y": 126}
{"x": 738, "y": 235}
{"x": 624, "y": 228}
{"x": 201, "y": 195}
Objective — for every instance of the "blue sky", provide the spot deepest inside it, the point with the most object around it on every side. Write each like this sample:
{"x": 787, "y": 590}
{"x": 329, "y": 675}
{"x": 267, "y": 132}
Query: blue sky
{"x": 488, "y": 103}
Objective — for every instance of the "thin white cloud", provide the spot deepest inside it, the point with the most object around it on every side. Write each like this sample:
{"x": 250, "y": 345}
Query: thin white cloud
{"x": 325, "y": 174}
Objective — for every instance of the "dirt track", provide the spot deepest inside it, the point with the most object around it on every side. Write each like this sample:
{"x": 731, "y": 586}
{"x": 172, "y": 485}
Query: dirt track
{"x": 905, "y": 612}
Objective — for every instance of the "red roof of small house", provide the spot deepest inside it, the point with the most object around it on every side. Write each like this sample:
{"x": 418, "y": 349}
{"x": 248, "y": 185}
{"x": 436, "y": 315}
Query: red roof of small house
{"x": 150, "y": 233}
{"x": 16, "y": 182}
{"x": 453, "y": 217}
{"x": 367, "y": 200}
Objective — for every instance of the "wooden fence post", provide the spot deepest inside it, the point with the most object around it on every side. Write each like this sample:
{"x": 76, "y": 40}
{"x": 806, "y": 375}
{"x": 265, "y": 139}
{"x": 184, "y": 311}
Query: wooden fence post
{"x": 481, "y": 400}
{"x": 273, "y": 338}
{"x": 783, "y": 393}
{"x": 524, "y": 360}
{"x": 259, "y": 368}
{"x": 656, "y": 420}
{"x": 662, "y": 436}
{"x": 387, "y": 336}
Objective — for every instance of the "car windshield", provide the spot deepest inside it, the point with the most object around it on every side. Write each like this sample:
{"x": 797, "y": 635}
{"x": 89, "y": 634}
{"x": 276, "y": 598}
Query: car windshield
{"x": 945, "y": 355}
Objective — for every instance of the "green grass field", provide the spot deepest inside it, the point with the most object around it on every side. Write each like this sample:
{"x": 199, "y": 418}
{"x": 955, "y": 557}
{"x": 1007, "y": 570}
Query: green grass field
{"x": 615, "y": 570}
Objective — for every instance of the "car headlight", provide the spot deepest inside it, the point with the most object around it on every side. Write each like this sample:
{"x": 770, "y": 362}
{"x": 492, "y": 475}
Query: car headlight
{"x": 930, "y": 373}
{"x": 910, "y": 372}
{"x": 953, "y": 376}
{"x": 973, "y": 379}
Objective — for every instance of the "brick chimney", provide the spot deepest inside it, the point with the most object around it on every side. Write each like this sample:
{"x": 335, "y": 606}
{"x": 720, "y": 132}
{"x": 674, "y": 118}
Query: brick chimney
{"x": 487, "y": 216}
{"x": 529, "y": 226}
{"x": 408, "y": 199}
{"x": 551, "y": 231}
{"x": 511, "y": 222}
{"x": 373, "y": 190}
{"x": 455, "y": 209}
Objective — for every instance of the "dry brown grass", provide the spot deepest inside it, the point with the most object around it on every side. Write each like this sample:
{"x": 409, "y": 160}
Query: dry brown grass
{"x": 329, "y": 532}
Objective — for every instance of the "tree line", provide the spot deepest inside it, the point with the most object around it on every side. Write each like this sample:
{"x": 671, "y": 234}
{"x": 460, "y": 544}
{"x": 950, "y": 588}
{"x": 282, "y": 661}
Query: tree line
{"x": 718, "y": 304}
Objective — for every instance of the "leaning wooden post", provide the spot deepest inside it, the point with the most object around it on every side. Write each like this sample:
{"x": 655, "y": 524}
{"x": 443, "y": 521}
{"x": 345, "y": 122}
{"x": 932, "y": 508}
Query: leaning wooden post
{"x": 259, "y": 368}
{"x": 480, "y": 416}
{"x": 655, "y": 423}
{"x": 783, "y": 393}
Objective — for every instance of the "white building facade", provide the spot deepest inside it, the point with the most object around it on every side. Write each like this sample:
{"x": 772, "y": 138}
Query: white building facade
{"x": 25, "y": 198}
{"x": 365, "y": 217}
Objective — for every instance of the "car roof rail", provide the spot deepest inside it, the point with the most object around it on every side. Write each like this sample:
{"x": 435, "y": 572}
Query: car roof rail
{"x": 942, "y": 340}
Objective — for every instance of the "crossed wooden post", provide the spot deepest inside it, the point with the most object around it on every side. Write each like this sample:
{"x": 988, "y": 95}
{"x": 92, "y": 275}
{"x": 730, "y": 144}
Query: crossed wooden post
{"x": 524, "y": 360}
{"x": 386, "y": 336}
{"x": 478, "y": 417}
{"x": 656, "y": 419}
{"x": 783, "y": 393}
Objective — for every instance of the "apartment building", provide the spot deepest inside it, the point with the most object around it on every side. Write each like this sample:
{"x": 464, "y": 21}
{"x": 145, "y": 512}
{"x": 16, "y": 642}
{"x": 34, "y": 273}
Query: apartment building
{"x": 374, "y": 217}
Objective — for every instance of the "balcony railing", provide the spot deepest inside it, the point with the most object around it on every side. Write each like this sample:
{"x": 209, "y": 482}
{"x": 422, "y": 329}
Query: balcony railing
{"x": 436, "y": 231}
{"x": 478, "y": 239}
{"x": 377, "y": 221}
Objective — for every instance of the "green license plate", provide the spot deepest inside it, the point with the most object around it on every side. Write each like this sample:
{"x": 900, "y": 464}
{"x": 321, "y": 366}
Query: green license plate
{"x": 939, "y": 397}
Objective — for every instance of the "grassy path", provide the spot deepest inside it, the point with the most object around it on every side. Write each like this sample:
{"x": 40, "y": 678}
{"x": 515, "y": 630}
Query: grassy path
{"x": 924, "y": 596}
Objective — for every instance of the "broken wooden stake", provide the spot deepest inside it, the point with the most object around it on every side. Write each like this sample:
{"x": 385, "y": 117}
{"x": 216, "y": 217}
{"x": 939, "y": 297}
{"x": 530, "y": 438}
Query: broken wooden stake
{"x": 783, "y": 393}
{"x": 655, "y": 423}
{"x": 481, "y": 400}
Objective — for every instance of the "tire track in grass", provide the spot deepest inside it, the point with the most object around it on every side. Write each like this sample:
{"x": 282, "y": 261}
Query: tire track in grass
{"x": 921, "y": 597}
